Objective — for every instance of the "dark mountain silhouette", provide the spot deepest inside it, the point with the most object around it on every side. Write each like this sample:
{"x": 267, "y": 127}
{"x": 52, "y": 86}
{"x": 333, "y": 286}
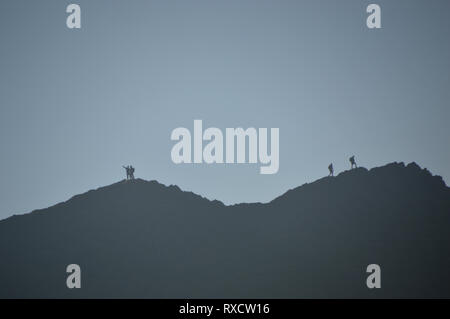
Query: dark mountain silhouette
{"x": 143, "y": 239}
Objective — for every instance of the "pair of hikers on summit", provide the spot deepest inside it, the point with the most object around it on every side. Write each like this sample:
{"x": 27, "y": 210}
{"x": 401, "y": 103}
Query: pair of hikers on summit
{"x": 130, "y": 172}
{"x": 352, "y": 163}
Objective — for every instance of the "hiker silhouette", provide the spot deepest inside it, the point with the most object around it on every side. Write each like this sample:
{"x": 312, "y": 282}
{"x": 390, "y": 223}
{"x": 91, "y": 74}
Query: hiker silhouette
{"x": 127, "y": 171}
{"x": 331, "y": 169}
{"x": 352, "y": 162}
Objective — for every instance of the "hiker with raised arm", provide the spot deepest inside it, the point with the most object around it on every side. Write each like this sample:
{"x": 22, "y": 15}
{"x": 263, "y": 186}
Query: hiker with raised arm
{"x": 127, "y": 169}
{"x": 352, "y": 162}
{"x": 331, "y": 169}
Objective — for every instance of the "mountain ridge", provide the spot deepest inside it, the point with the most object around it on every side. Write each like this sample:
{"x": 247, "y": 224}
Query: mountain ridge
{"x": 395, "y": 165}
{"x": 142, "y": 239}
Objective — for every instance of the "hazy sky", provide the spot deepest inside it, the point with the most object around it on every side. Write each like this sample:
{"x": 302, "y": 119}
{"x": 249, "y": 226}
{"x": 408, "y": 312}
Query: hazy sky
{"x": 76, "y": 105}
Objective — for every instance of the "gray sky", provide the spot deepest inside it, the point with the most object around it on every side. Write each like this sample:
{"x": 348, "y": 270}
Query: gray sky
{"x": 75, "y": 105}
